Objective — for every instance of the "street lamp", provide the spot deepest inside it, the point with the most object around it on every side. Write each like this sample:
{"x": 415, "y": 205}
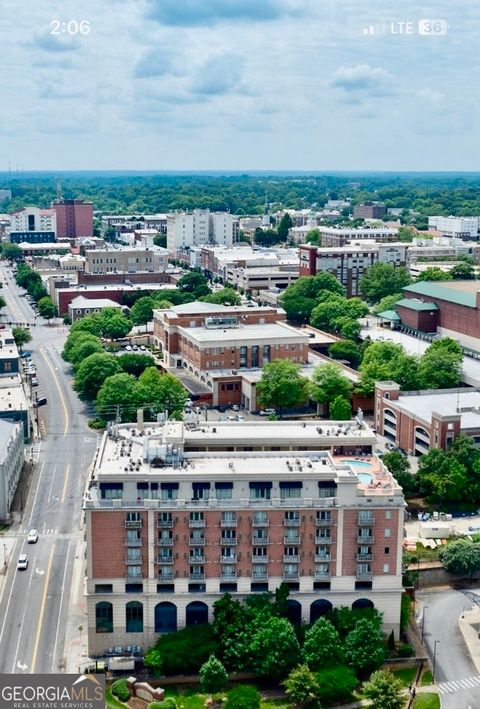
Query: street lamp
{"x": 434, "y": 659}
{"x": 423, "y": 622}
{"x": 4, "y": 556}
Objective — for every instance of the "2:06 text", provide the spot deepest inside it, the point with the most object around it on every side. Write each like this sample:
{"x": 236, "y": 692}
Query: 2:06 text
{"x": 71, "y": 27}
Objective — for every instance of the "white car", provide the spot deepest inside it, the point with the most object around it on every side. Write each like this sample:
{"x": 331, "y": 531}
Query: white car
{"x": 129, "y": 348}
{"x": 22, "y": 562}
{"x": 32, "y": 536}
{"x": 143, "y": 348}
{"x": 268, "y": 412}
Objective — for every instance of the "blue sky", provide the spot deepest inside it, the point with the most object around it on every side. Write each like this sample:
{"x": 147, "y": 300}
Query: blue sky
{"x": 238, "y": 85}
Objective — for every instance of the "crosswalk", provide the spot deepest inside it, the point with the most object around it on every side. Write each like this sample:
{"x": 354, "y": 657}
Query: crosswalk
{"x": 459, "y": 684}
{"x": 43, "y": 531}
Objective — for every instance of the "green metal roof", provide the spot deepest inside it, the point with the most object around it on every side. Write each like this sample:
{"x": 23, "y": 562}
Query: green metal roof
{"x": 413, "y": 304}
{"x": 389, "y": 315}
{"x": 434, "y": 289}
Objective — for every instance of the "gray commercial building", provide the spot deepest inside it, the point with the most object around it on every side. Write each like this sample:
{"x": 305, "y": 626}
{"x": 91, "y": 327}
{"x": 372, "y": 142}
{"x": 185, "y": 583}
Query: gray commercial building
{"x": 11, "y": 463}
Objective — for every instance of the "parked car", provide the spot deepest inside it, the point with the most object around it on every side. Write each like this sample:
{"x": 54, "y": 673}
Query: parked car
{"x": 267, "y": 412}
{"x": 26, "y": 354}
{"x": 143, "y": 348}
{"x": 238, "y": 417}
{"x": 236, "y": 407}
{"x": 32, "y": 536}
{"x": 22, "y": 562}
{"x": 128, "y": 348}
{"x": 379, "y": 453}
{"x": 34, "y": 382}
{"x": 41, "y": 401}
{"x": 134, "y": 348}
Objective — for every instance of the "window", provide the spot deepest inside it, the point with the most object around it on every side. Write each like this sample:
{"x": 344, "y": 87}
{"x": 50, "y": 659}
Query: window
{"x": 196, "y": 553}
{"x": 197, "y": 519}
{"x": 259, "y": 571}
{"x": 228, "y": 535}
{"x": 133, "y": 554}
{"x": 165, "y": 556}
{"x": 243, "y": 357}
{"x": 292, "y": 517}
{"x": 201, "y": 491}
{"x": 104, "y": 617}
{"x": 290, "y": 489}
{"x": 169, "y": 491}
{"x": 260, "y": 490}
{"x": 386, "y": 568}
{"x": 291, "y": 551}
{"x": 266, "y": 354}
{"x": 142, "y": 490}
{"x": 197, "y": 536}
{"x": 103, "y": 588}
{"x": 223, "y": 491}
{"x": 229, "y": 518}
{"x": 255, "y": 356}
{"x": 388, "y": 532}
{"x": 7, "y": 366}
{"x": 111, "y": 491}
{"x": 292, "y": 536}
{"x": 388, "y": 514}
{"x": 165, "y": 537}
{"x": 260, "y": 535}
{"x": 134, "y": 617}
{"x": 259, "y": 552}
{"x": 133, "y": 517}
{"x": 324, "y": 516}
{"x": 260, "y": 518}
{"x": 134, "y": 588}
{"x": 387, "y": 550}
{"x": 290, "y": 570}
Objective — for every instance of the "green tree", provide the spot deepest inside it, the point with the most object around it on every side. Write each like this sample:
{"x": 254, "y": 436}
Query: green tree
{"x": 213, "y": 676}
{"x": 345, "y": 619}
{"x": 92, "y": 373}
{"x": 387, "y": 303}
{"x": 443, "y": 479}
{"x": 275, "y": 648}
{"x": 385, "y": 361}
{"x": 231, "y": 630}
{"x": 185, "y": 651}
{"x": 117, "y": 390}
{"x": 434, "y": 274}
{"x": 74, "y": 339}
{"x": 340, "y": 410}
{"x": 11, "y": 252}
{"x": 384, "y": 690}
{"x": 113, "y": 324}
{"x": 333, "y": 307}
{"x": 47, "y": 308}
{"x": 21, "y": 335}
{"x": 243, "y": 696}
{"x": 135, "y": 363}
{"x": 364, "y": 648}
{"x": 91, "y": 324}
{"x": 153, "y": 660}
{"x": 383, "y": 279}
{"x": 322, "y": 646}
{"x": 162, "y": 304}
{"x": 142, "y": 310}
{"x": 347, "y": 327}
{"x": 2, "y": 302}
{"x": 284, "y": 227}
{"x": 440, "y": 365}
{"x": 327, "y": 383}
{"x": 281, "y": 385}
{"x": 225, "y": 296}
{"x": 313, "y": 237}
{"x": 462, "y": 272}
{"x": 346, "y": 349}
{"x": 300, "y": 298}
{"x": 461, "y": 557}
{"x": 301, "y": 687}
{"x": 336, "y": 684}
{"x": 398, "y": 465}
{"x": 84, "y": 348}
{"x": 160, "y": 240}
{"x": 193, "y": 282}
{"x": 159, "y": 392}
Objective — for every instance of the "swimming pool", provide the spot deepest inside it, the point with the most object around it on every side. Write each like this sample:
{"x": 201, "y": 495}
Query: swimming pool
{"x": 364, "y": 477}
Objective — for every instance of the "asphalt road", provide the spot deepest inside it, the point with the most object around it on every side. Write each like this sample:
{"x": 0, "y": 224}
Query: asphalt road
{"x": 35, "y": 603}
{"x": 452, "y": 660}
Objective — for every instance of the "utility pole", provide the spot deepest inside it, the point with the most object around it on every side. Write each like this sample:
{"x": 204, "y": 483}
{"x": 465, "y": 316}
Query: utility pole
{"x": 434, "y": 659}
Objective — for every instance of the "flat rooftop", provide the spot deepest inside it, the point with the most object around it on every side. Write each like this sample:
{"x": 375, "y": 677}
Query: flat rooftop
{"x": 423, "y": 405}
{"x": 12, "y": 395}
{"x": 266, "y": 331}
{"x": 81, "y": 302}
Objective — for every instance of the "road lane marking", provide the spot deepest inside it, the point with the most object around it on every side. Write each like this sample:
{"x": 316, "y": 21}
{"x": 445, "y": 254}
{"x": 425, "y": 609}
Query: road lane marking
{"x": 42, "y": 610}
{"x": 64, "y": 491}
{"x": 60, "y": 606}
{"x": 51, "y": 484}
{"x": 65, "y": 410}
{"x": 22, "y": 622}
{"x": 36, "y": 492}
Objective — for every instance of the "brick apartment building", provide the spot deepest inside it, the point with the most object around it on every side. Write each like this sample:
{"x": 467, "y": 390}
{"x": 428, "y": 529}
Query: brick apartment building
{"x": 188, "y": 514}
{"x": 125, "y": 260}
{"x": 341, "y": 235}
{"x": 417, "y": 421}
{"x": 209, "y": 346}
{"x": 74, "y": 218}
{"x": 369, "y": 210}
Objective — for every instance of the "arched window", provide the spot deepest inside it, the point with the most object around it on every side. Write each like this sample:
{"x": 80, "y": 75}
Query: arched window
{"x": 196, "y": 613}
{"x": 294, "y": 611}
{"x": 422, "y": 432}
{"x": 318, "y": 608}
{"x": 165, "y": 617}
{"x": 134, "y": 617}
{"x": 362, "y": 603}
{"x": 104, "y": 617}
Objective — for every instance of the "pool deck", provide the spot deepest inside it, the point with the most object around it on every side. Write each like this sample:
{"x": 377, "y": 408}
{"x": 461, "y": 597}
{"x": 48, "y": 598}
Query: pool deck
{"x": 380, "y": 476}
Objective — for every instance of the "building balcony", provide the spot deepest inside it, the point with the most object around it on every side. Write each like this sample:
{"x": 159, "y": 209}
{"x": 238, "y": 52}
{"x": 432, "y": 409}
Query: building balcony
{"x": 133, "y": 562}
{"x": 260, "y": 575}
{"x": 164, "y": 559}
{"x": 260, "y": 559}
{"x": 131, "y": 575}
{"x": 291, "y": 559}
{"x": 259, "y": 540}
{"x": 364, "y": 575}
{"x": 197, "y": 559}
{"x": 323, "y": 540}
{"x": 165, "y": 523}
{"x": 228, "y": 542}
{"x": 228, "y": 559}
{"x": 133, "y": 542}
{"x": 322, "y": 557}
{"x": 365, "y": 541}
{"x": 196, "y": 577}
{"x": 290, "y": 575}
{"x": 228, "y": 577}
{"x": 197, "y": 542}
{"x": 292, "y": 522}
{"x": 323, "y": 575}
{"x": 323, "y": 522}
{"x": 365, "y": 521}
{"x": 196, "y": 523}
{"x": 228, "y": 523}
{"x": 291, "y": 540}
{"x": 364, "y": 557}
{"x": 165, "y": 576}
{"x": 260, "y": 523}
{"x": 165, "y": 542}
{"x": 133, "y": 524}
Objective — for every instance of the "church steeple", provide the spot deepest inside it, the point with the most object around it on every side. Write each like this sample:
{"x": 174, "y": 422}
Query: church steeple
{"x": 266, "y": 215}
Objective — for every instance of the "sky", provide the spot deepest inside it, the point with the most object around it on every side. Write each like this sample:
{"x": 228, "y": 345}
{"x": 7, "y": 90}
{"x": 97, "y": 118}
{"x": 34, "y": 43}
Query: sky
{"x": 239, "y": 85}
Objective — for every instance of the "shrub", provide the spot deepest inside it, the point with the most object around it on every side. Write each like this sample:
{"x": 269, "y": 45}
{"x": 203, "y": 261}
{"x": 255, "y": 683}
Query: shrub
{"x": 186, "y": 651}
{"x": 168, "y": 703}
{"x": 301, "y": 687}
{"x": 243, "y": 697}
{"x": 213, "y": 677}
{"x": 405, "y": 650}
{"x": 336, "y": 684}
{"x": 121, "y": 690}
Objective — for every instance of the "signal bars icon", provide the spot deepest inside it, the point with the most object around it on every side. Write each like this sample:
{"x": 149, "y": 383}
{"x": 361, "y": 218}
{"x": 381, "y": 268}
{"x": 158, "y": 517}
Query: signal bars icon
{"x": 377, "y": 28}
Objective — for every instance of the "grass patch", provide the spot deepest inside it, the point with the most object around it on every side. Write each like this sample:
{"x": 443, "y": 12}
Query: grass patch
{"x": 427, "y": 701}
{"x": 426, "y": 678}
{"x": 187, "y": 699}
{"x": 406, "y": 675}
{"x": 111, "y": 702}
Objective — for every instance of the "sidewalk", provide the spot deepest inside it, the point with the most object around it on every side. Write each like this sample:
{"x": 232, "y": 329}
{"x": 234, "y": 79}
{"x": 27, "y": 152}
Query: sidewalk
{"x": 76, "y": 632}
{"x": 469, "y": 624}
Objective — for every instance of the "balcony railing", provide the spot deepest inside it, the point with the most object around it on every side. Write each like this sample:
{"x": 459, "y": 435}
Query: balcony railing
{"x": 196, "y": 523}
{"x": 197, "y": 542}
{"x": 133, "y": 562}
{"x": 260, "y": 575}
{"x": 228, "y": 559}
{"x": 364, "y": 557}
{"x": 323, "y": 575}
{"x": 364, "y": 575}
{"x": 290, "y": 575}
{"x": 165, "y": 523}
{"x": 323, "y": 522}
{"x": 291, "y": 540}
{"x": 260, "y": 559}
{"x": 164, "y": 559}
{"x": 165, "y": 576}
{"x": 228, "y": 577}
{"x": 323, "y": 540}
{"x": 196, "y": 560}
{"x": 133, "y": 542}
{"x": 165, "y": 542}
{"x": 260, "y": 522}
{"x": 365, "y": 521}
{"x": 322, "y": 557}
{"x": 196, "y": 577}
{"x": 130, "y": 574}
{"x": 291, "y": 559}
{"x": 228, "y": 523}
{"x": 259, "y": 540}
{"x": 294, "y": 522}
{"x": 365, "y": 540}
{"x": 228, "y": 542}
{"x": 133, "y": 524}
